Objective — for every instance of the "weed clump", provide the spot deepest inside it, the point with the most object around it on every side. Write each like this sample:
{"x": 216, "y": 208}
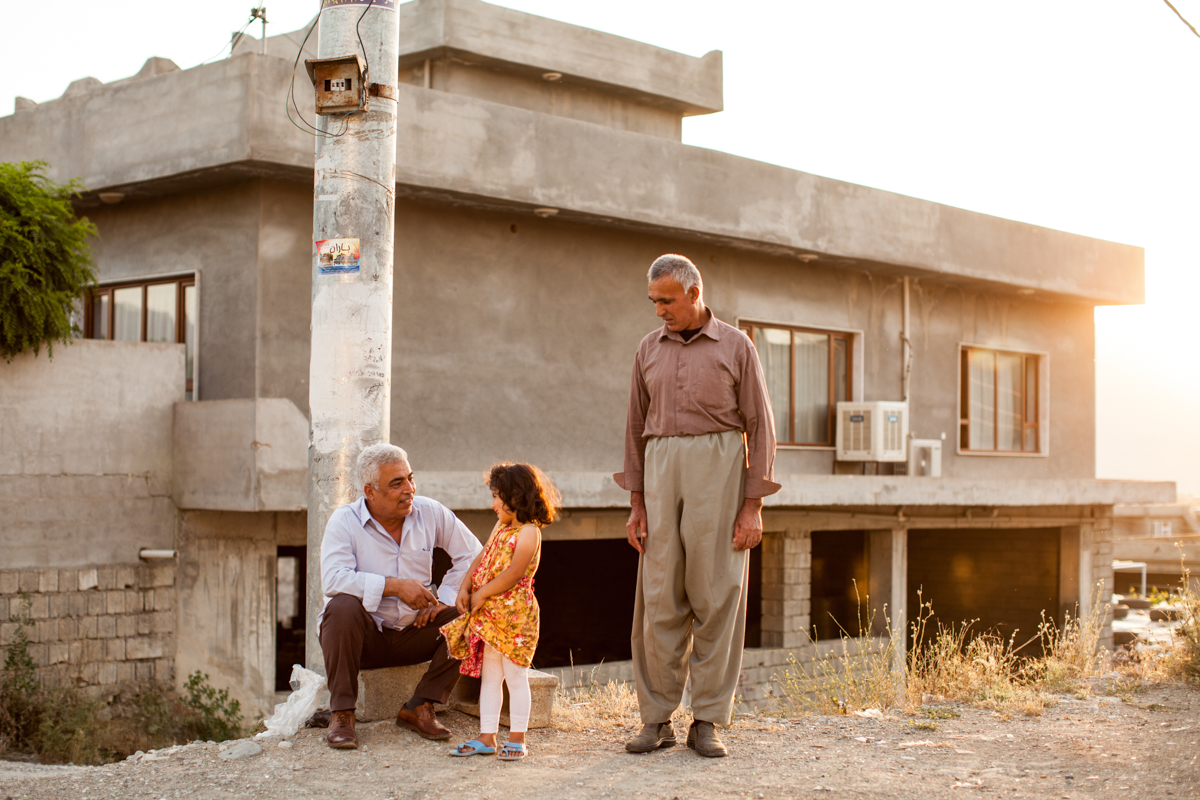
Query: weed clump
{"x": 65, "y": 724}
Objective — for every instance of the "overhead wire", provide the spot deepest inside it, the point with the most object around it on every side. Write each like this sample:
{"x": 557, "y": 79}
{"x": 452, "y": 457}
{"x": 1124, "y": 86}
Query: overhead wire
{"x": 1173, "y": 8}
{"x": 233, "y": 42}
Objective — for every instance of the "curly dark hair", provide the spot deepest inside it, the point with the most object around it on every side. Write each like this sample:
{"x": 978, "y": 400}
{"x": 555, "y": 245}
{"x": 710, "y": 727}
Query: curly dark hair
{"x": 528, "y": 492}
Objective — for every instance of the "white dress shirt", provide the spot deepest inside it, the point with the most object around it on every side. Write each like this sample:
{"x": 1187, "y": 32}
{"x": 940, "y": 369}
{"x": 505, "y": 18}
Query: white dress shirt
{"x": 358, "y": 554}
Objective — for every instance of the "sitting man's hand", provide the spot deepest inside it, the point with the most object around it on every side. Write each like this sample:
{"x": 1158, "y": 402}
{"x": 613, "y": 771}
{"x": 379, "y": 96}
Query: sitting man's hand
{"x": 412, "y": 593}
{"x": 427, "y": 615}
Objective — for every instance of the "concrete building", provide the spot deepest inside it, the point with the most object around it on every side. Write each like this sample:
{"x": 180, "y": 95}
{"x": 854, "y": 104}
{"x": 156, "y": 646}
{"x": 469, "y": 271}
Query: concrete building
{"x": 539, "y": 172}
{"x": 1158, "y": 542}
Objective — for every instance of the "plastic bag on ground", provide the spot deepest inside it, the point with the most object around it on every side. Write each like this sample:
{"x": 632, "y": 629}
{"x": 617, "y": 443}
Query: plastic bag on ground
{"x": 300, "y": 705}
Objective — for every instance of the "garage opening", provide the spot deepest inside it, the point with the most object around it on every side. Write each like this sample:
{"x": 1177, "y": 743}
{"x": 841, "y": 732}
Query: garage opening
{"x": 291, "y": 568}
{"x": 1001, "y": 579}
{"x": 839, "y": 584}
{"x": 585, "y": 589}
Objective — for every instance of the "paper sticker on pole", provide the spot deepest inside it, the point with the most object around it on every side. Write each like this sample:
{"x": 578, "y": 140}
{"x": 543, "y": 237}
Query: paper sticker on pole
{"x": 388, "y": 4}
{"x": 337, "y": 256}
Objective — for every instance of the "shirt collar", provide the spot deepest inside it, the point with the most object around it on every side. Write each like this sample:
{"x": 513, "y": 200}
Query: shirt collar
{"x": 359, "y": 507}
{"x": 711, "y": 329}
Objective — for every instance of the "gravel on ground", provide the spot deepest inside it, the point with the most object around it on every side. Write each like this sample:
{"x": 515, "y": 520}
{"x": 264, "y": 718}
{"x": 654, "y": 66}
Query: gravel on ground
{"x": 1143, "y": 743}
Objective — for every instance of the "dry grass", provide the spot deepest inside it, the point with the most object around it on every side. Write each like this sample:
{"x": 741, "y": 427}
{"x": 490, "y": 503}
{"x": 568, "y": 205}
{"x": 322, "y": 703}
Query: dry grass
{"x": 948, "y": 663}
{"x": 595, "y": 706}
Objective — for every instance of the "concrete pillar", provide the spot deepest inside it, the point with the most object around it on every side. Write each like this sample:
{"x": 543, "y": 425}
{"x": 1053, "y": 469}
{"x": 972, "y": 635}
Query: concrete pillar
{"x": 887, "y": 580}
{"x": 786, "y": 588}
{"x": 1070, "y": 574}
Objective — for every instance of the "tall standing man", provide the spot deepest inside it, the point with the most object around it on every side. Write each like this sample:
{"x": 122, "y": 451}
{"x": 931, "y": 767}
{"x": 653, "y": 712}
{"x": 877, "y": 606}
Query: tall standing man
{"x": 380, "y": 608}
{"x": 699, "y": 458}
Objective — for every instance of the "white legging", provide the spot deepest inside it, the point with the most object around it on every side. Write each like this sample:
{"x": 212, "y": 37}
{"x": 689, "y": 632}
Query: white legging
{"x": 498, "y": 670}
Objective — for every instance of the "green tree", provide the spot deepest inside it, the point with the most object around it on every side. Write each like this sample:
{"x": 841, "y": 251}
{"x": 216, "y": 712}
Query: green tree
{"x": 45, "y": 258}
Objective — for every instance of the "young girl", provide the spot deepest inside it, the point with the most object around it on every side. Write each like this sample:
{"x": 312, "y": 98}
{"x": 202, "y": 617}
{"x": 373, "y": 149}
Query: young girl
{"x": 498, "y": 632}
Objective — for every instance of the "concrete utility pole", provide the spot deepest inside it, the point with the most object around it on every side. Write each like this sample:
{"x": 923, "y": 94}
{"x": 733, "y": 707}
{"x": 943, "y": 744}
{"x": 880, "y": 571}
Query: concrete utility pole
{"x": 354, "y": 211}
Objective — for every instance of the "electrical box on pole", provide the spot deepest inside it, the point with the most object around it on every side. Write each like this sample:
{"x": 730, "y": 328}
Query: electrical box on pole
{"x": 354, "y": 207}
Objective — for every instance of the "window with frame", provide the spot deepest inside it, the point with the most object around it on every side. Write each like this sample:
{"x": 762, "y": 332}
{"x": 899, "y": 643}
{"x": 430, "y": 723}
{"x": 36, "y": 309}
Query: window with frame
{"x": 146, "y": 311}
{"x": 807, "y": 372}
{"x": 999, "y": 402}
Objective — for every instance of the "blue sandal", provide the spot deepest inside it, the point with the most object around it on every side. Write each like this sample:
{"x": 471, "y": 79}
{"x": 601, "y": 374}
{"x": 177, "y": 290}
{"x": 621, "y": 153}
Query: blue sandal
{"x": 512, "y": 751}
{"x": 474, "y": 748}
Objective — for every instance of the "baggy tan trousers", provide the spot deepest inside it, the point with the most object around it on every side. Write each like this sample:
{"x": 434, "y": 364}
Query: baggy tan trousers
{"x": 691, "y": 587}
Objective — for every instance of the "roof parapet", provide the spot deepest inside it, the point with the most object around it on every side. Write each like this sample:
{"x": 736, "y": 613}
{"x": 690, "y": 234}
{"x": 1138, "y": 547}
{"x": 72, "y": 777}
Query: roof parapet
{"x": 502, "y": 38}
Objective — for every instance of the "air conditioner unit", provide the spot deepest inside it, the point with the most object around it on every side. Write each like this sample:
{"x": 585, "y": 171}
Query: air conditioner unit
{"x": 925, "y": 457}
{"x": 875, "y": 431}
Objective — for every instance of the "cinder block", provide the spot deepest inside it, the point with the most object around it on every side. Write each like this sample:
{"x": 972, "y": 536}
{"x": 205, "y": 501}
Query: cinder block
{"x": 542, "y": 689}
{"x": 146, "y": 647}
{"x": 48, "y": 581}
{"x": 88, "y": 628}
{"x": 39, "y": 606}
{"x": 40, "y": 654}
{"x": 126, "y": 672}
{"x": 108, "y": 673}
{"x": 9, "y": 582}
{"x": 107, "y": 577}
{"x": 7, "y": 631}
{"x": 88, "y": 579}
{"x": 164, "y": 670}
{"x": 126, "y": 577}
{"x": 127, "y": 625}
{"x": 68, "y": 580}
{"x": 145, "y": 624}
{"x": 59, "y": 653}
{"x": 96, "y": 604}
{"x": 93, "y": 650}
{"x": 161, "y": 576}
{"x": 164, "y": 600}
{"x": 76, "y": 604}
{"x": 90, "y": 673}
{"x": 47, "y": 630}
{"x": 147, "y": 599}
{"x": 133, "y": 601}
{"x": 163, "y": 622}
{"x": 58, "y": 605}
{"x": 114, "y": 602}
{"x": 381, "y": 692}
{"x": 29, "y": 580}
{"x": 106, "y": 627}
{"x": 68, "y": 629}
{"x": 145, "y": 672}
{"x": 76, "y": 651}
{"x": 114, "y": 649}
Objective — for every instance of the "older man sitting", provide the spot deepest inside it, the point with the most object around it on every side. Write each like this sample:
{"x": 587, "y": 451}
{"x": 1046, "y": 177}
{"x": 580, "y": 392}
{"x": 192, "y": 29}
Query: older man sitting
{"x": 380, "y": 610}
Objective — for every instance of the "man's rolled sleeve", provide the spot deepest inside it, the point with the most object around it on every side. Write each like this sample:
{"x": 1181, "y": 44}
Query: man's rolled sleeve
{"x": 462, "y": 546}
{"x": 755, "y": 407}
{"x": 633, "y": 478}
{"x": 338, "y": 573}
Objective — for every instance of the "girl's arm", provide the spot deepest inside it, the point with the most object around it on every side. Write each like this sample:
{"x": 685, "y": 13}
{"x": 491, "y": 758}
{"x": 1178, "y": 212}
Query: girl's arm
{"x": 463, "y": 602}
{"x": 528, "y": 540}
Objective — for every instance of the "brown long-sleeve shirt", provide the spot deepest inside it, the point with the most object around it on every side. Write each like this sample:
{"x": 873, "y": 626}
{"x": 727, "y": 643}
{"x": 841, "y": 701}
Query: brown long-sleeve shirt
{"x": 709, "y": 384}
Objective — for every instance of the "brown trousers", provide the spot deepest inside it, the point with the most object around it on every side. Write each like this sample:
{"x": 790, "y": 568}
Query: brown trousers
{"x": 350, "y": 642}
{"x": 689, "y": 616}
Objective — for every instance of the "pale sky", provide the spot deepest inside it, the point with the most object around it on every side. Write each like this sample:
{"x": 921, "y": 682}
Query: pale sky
{"x": 1075, "y": 115}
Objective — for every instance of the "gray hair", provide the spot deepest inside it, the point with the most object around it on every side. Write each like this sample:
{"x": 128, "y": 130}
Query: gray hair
{"x": 676, "y": 267}
{"x": 374, "y": 458}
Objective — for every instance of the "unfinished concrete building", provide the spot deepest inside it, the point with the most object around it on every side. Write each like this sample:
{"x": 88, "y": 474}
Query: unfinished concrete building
{"x": 540, "y": 171}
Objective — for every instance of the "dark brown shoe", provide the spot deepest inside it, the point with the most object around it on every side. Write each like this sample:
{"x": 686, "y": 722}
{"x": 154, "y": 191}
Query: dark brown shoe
{"x": 341, "y": 734}
{"x": 702, "y": 737}
{"x": 423, "y": 721}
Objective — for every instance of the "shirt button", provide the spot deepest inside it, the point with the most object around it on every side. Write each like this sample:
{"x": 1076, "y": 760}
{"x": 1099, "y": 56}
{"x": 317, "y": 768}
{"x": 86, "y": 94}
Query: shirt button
{"x": 681, "y": 363}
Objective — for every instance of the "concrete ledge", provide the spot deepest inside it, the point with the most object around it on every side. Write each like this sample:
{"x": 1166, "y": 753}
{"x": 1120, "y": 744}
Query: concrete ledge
{"x": 381, "y": 693}
{"x": 542, "y": 688}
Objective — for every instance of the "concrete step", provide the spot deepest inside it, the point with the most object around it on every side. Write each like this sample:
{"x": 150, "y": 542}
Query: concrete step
{"x": 381, "y": 693}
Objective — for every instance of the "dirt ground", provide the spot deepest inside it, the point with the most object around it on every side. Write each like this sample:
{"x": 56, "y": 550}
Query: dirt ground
{"x": 1139, "y": 744}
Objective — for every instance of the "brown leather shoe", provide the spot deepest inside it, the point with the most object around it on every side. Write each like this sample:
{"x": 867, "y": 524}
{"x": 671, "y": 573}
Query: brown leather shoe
{"x": 702, "y": 737}
{"x": 341, "y": 734}
{"x": 423, "y": 721}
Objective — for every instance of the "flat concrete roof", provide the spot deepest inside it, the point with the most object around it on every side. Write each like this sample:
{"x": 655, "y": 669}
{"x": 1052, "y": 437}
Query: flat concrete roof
{"x": 486, "y": 34}
{"x": 165, "y": 132}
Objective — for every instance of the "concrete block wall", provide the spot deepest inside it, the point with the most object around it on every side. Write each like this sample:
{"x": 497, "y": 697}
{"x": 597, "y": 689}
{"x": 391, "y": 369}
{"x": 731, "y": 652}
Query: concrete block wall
{"x": 1102, "y": 573}
{"x": 96, "y": 627}
{"x": 786, "y": 585}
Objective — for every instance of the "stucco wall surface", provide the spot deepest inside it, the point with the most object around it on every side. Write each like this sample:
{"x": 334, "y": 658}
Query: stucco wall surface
{"x": 85, "y": 453}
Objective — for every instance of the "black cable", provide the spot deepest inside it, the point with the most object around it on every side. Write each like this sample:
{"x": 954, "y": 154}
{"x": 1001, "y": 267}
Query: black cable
{"x": 291, "y": 94}
{"x": 366, "y": 82}
{"x": 232, "y": 43}
{"x": 1168, "y": 2}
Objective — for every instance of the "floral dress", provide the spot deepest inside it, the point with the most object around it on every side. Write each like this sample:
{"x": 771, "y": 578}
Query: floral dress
{"x": 509, "y": 621}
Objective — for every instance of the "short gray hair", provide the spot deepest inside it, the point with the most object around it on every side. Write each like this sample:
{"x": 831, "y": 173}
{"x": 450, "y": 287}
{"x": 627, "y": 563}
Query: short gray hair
{"x": 677, "y": 267}
{"x": 374, "y": 458}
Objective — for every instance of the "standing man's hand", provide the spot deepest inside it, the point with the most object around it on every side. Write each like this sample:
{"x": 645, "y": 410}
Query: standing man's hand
{"x": 635, "y": 529}
{"x": 748, "y": 527}
{"x": 412, "y": 593}
{"x": 427, "y": 615}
